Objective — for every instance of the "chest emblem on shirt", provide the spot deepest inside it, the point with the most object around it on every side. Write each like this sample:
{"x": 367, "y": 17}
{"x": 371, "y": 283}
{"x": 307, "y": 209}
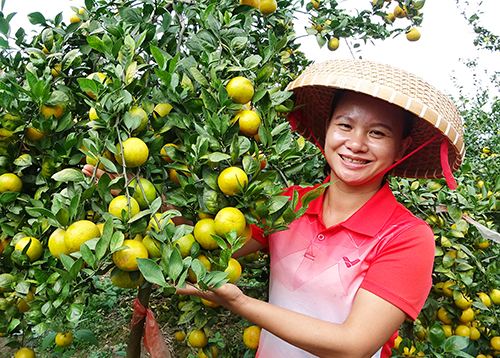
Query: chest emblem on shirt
{"x": 348, "y": 262}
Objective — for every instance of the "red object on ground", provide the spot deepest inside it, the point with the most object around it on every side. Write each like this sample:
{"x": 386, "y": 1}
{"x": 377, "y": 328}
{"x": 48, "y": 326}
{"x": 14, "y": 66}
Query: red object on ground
{"x": 153, "y": 339}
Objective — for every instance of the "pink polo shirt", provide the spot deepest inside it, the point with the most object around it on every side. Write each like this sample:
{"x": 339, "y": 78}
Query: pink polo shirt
{"x": 317, "y": 271}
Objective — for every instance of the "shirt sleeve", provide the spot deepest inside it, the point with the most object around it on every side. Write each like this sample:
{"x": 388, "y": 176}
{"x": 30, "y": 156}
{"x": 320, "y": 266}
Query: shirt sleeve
{"x": 402, "y": 272}
{"x": 257, "y": 232}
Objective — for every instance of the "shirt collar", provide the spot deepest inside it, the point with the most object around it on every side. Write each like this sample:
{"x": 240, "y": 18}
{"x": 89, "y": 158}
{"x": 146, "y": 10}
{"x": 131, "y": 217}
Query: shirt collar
{"x": 370, "y": 218}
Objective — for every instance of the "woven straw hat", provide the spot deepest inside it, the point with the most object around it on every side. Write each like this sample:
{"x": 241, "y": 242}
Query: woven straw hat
{"x": 438, "y": 117}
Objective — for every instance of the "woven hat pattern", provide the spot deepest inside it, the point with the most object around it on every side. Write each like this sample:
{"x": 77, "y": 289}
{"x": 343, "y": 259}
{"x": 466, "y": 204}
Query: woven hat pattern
{"x": 315, "y": 88}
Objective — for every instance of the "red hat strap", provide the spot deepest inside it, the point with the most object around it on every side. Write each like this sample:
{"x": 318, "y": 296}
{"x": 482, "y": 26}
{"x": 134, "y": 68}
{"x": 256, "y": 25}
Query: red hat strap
{"x": 445, "y": 165}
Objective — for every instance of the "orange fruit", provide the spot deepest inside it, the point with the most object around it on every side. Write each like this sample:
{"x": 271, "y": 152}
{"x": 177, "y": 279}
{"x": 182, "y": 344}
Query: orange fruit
{"x": 399, "y": 12}
{"x": 463, "y": 302}
{"x": 495, "y": 296}
{"x": 267, "y": 7}
{"x": 126, "y": 259}
{"x": 135, "y": 152}
{"x": 240, "y": 89}
{"x": 24, "y": 352}
{"x": 233, "y": 270}
{"x": 495, "y": 343}
{"x": 161, "y": 110}
{"x": 447, "y": 291}
{"x": 78, "y": 233}
{"x": 205, "y": 262}
{"x": 10, "y": 182}
{"x": 144, "y": 192}
{"x": 140, "y": 114}
{"x": 126, "y": 279}
{"x": 197, "y": 338}
{"x": 209, "y": 303}
{"x": 333, "y": 44}
{"x": 34, "y": 134}
{"x": 179, "y": 336}
{"x": 485, "y": 299}
{"x": 99, "y": 77}
{"x": 158, "y": 218}
{"x": 249, "y": 122}
{"x": 35, "y": 249}
{"x": 120, "y": 204}
{"x": 74, "y": 19}
{"x": 203, "y": 231}
{"x": 229, "y": 219}
{"x": 252, "y": 3}
{"x": 57, "y": 245}
{"x": 48, "y": 111}
{"x": 64, "y": 339}
{"x": 462, "y": 330}
{"x": 185, "y": 243}
{"x": 443, "y": 316}
{"x": 164, "y": 154}
{"x": 467, "y": 315}
{"x": 93, "y": 114}
{"x": 413, "y": 34}
{"x": 232, "y": 181}
{"x": 251, "y": 336}
{"x": 474, "y": 334}
{"x": 152, "y": 245}
{"x": 448, "y": 330}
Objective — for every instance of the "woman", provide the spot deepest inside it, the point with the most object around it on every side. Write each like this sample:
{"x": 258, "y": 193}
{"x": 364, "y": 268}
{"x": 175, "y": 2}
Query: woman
{"x": 347, "y": 273}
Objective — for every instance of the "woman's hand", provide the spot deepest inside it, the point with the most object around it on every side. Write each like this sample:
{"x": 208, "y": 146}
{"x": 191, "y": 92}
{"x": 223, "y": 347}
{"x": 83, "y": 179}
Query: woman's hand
{"x": 228, "y": 295}
{"x": 89, "y": 170}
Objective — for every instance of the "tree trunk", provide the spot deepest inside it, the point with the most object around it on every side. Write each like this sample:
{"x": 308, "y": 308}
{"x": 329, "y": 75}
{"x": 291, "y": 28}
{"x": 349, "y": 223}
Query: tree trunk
{"x": 137, "y": 331}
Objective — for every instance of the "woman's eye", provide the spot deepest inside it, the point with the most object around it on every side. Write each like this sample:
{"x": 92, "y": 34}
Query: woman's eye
{"x": 344, "y": 125}
{"x": 377, "y": 134}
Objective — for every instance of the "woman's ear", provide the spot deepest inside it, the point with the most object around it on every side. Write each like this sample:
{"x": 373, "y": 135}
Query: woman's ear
{"x": 405, "y": 144}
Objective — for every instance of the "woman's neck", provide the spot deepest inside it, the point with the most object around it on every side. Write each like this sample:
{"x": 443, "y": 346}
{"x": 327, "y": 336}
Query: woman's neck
{"x": 341, "y": 201}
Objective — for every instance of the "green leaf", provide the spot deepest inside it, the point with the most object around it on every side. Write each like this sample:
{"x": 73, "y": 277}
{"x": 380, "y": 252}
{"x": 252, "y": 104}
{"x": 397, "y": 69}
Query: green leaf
{"x": 75, "y": 269}
{"x": 75, "y": 311}
{"x": 175, "y": 265}
{"x": 37, "y": 18}
{"x": 252, "y": 61}
{"x": 103, "y": 243}
{"x": 67, "y": 175}
{"x": 436, "y": 335}
{"x": 276, "y": 203}
{"x": 198, "y": 76}
{"x": 116, "y": 241}
{"x": 86, "y": 335}
{"x": 152, "y": 272}
{"x": 4, "y": 26}
{"x": 455, "y": 343}
{"x": 97, "y": 44}
{"x": 217, "y": 157}
{"x": 87, "y": 255}
{"x": 67, "y": 261}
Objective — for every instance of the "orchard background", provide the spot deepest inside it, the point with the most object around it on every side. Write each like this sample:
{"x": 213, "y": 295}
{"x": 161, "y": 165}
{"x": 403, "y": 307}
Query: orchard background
{"x": 155, "y": 74}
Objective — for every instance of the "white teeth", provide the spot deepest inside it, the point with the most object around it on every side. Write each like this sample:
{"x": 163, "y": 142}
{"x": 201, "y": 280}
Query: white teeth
{"x": 350, "y": 160}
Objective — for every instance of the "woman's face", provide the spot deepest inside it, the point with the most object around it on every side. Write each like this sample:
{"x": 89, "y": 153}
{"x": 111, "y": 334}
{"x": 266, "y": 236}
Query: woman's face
{"x": 363, "y": 138}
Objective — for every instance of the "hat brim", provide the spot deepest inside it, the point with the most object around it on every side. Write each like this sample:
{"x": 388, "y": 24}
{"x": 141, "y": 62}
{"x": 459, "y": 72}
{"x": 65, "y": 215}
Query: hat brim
{"x": 435, "y": 113}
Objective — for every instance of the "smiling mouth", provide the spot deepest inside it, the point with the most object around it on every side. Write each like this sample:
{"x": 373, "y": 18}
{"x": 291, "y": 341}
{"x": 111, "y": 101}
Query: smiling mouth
{"x": 354, "y": 161}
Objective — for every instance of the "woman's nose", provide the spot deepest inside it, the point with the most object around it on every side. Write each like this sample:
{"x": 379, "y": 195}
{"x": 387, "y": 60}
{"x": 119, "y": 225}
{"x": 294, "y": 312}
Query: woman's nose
{"x": 356, "y": 142}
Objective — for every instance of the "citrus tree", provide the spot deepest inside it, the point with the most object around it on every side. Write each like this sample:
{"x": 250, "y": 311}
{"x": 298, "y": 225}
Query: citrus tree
{"x": 183, "y": 106}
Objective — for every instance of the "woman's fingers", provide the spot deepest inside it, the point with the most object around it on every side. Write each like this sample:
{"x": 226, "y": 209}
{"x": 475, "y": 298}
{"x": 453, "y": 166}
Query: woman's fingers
{"x": 88, "y": 170}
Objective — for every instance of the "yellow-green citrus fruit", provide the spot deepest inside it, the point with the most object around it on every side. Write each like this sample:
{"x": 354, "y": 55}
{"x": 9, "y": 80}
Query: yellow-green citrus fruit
{"x": 152, "y": 245}
{"x": 161, "y": 110}
{"x": 135, "y": 152}
{"x": 462, "y": 330}
{"x": 249, "y": 122}
{"x": 24, "y": 352}
{"x": 413, "y": 34}
{"x": 141, "y": 114}
{"x": 57, "y": 244}
{"x": 485, "y": 299}
{"x": 205, "y": 262}
{"x": 99, "y": 77}
{"x": 229, "y": 219}
{"x": 34, "y": 134}
{"x": 163, "y": 152}
{"x": 120, "y": 203}
{"x": 267, "y": 7}
{"x": 233, "y": 270}
{"x": 126, "y": 279}
{"x": 126, "y": 259}
{"x": 158, "y": 219}
{"x": 93, "y": 114}
{"x": 251, "y": 336}
{"x": 48, "y": 111}
{"x": 179, "y": 336}
{"x": 197, "y": 338}
{"x": 35, "y": 249}
{"x": 185, "y": 243}
{"x": 240, "y": 89}
{"x": 495, "y": 296}
{"x": 78, "y": 233}
{"x": 399, "y": 12}
{"x": 203, "y": 231}
{"x": 64, "y": 339}
{"x": 232, "y": 180}
{"x": 74, "y": 19}
{"x": 144, "y": 192}
{"x": 495, "y": 343}
{"x": 253, "y": 3}
{"x": 333, "y": 44}
{"x": 10, "y": 182}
